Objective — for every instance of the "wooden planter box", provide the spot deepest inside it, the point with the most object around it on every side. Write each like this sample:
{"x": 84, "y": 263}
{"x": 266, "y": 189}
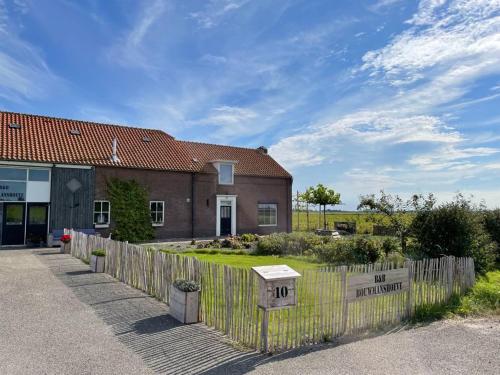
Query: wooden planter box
{"x": 184, "y": 306}
{"x": 97, "y": 263}
{"x": 65, "y": 248}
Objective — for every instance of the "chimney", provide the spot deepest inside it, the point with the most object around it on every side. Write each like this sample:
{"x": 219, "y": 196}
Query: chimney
{"x": 114, "y": 156}
{"x": 262, "y": 150}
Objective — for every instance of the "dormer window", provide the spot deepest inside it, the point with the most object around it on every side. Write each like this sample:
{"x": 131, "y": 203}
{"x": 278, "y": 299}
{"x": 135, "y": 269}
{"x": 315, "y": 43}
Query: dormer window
{"x": 226, "y": 173}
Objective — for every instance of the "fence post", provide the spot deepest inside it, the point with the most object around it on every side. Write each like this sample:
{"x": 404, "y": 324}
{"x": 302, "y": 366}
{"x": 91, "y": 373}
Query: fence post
{"x": 264, "y": 330}
{"x": 451, "y": 270}
{"x": 409, "y": 301}
{"x": 345, "y": 302}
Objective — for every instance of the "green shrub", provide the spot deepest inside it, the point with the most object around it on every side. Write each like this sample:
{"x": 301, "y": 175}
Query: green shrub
{"x": 299, "y": 243}
{"x": 187, "y": 285}
{"x": 491, "y": 222}
{"x": 350, "y": 251}
{"x": 130, "y": 211}
{"x": 248, "y": 237}
{"x": 454, "y": 228}
{"x": 391, "y": 245}
{"x": 99, "y": 252}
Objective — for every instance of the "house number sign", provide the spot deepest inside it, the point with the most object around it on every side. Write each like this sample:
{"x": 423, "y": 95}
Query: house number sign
{"x": 276, "y": 286}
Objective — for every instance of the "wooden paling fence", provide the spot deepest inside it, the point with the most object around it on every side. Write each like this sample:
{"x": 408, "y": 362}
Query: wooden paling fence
{"x": 229, "y": 295}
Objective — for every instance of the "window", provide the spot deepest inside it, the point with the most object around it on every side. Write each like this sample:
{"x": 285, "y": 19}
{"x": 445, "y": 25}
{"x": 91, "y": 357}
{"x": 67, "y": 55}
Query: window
{"x": 38, "y": 175}
{"x": 157, "y": 211}
{"x": 268, "y": 214}
{"x": 225, "y": 174}
{"x": 12, "y": 174}
{"x": 101, "y": 214}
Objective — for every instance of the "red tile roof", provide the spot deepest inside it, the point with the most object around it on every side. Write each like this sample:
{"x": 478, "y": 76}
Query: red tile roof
{"x": 250, "y": 162}
{"x": 49, "y": 140}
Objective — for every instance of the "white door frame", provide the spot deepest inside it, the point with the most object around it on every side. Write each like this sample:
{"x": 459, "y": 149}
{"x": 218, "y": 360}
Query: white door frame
{"x": 231, "y": 198}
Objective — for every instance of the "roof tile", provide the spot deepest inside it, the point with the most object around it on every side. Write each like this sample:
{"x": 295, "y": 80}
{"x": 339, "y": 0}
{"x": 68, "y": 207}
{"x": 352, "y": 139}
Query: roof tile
{"x": 47, "y": 139}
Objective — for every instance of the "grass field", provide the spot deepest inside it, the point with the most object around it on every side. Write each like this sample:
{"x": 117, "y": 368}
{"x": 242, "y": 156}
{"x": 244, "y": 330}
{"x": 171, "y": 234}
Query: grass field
{"x": 363, "y": 220}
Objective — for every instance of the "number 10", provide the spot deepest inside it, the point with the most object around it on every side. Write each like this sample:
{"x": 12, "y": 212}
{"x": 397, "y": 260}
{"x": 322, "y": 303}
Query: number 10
{"x": 281, "y": 292}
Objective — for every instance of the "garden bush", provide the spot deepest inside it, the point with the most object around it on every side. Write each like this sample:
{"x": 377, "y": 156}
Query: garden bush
{"x": 491, "y": 222}
{"x": 391, "y": 245}
{"x": 454, "y": 228}
{"x": 350, "y": 251}
{"x": 289, "y": 243}
{"x": 248, "y": 237}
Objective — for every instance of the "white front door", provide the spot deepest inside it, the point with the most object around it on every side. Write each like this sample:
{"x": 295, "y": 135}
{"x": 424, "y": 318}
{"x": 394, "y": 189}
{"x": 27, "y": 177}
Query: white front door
{"x": 225, "y": 215}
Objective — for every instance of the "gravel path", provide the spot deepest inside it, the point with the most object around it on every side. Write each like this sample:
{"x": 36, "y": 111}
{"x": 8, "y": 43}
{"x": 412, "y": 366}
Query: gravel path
{"x": 45, "y": 329}
{"x": 446, "y": 347}
{"x": 57, "y": 318}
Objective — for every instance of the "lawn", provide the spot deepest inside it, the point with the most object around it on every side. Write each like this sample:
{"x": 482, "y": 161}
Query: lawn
{"x": 249, "y": 261}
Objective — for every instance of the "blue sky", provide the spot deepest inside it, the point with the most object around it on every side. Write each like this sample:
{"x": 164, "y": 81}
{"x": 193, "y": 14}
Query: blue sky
{"x": 359, "y": 95}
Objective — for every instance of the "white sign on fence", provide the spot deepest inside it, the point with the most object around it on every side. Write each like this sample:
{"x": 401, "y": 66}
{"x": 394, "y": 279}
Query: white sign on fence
{"x": 376, "y": 284}
{"x": 276, "y": 286}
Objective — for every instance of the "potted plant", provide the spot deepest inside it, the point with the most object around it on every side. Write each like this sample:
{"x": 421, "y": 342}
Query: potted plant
{"x": 65, "y": 240}
{"x": 97, "y": 260}
{"x": 185, "y": 301}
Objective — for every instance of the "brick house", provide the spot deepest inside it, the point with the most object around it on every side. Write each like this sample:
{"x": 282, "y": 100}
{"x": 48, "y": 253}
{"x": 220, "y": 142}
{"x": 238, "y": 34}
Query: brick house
{"x": 54, "y": 173}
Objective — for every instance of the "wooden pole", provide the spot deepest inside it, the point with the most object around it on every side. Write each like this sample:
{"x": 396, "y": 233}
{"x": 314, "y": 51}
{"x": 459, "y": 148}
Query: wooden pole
{"x": 307, "y": 215}
{"x": 409, "y": 301}
{"x": 345, "y": 306}
{"x": 298, "y": 212}
{"x": 264, "y": 331}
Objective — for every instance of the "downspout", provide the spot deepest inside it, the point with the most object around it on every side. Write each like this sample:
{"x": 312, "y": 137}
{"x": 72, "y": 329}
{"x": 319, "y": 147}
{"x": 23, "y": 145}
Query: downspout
{"x": 192, "y": 204}
{"x": 290, "y": 208}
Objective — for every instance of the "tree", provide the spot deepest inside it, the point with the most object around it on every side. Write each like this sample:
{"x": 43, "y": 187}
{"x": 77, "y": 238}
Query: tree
{"x": 322, "y": 196}
{"x": 307, "y": 197}
{"x": 397, "y": 211}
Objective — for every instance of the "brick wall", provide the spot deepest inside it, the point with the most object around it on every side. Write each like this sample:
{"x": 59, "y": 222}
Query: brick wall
{"x": 174, "y": 188}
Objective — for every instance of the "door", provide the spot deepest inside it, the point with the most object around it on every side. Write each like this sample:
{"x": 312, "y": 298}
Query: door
{"x": 225, "y": 220}
{"x": 36, "y": 225}
{"x": 13, "y": 224}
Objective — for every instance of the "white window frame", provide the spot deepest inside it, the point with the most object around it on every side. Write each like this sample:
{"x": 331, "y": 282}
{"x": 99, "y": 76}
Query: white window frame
{"x": 106, "y": 225}
{"x": 158, "y": 224}
{"x": 232, "y": 173}
{"x": 276, "y": 215}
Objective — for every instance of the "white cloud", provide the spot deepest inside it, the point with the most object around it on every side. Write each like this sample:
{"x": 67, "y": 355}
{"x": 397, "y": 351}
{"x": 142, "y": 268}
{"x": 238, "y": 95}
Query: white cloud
{"x": 215, "y": 11}
{"x": 464, "y": 35}
{"x": 450, "y": 157}
{"x": 24, "y": 73}
{"x": 129, "y": 50}
{"x": 421, "y": 72}
{"x": 383, "y": 4}
{"x": 377, "y": 129}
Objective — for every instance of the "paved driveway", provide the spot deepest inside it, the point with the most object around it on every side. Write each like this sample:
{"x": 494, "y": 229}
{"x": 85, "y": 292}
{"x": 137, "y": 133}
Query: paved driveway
{"x": 57, "y": 318}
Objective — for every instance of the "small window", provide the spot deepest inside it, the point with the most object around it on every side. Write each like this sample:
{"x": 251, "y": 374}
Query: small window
{"x": 226, "y": 174}
{"x": 38, "y": 175}
{"x": 268, "y": 214}
{"x": 101, "y": 214}
{"x": 12, "y": 174}
{"x": 157, "y": 212}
